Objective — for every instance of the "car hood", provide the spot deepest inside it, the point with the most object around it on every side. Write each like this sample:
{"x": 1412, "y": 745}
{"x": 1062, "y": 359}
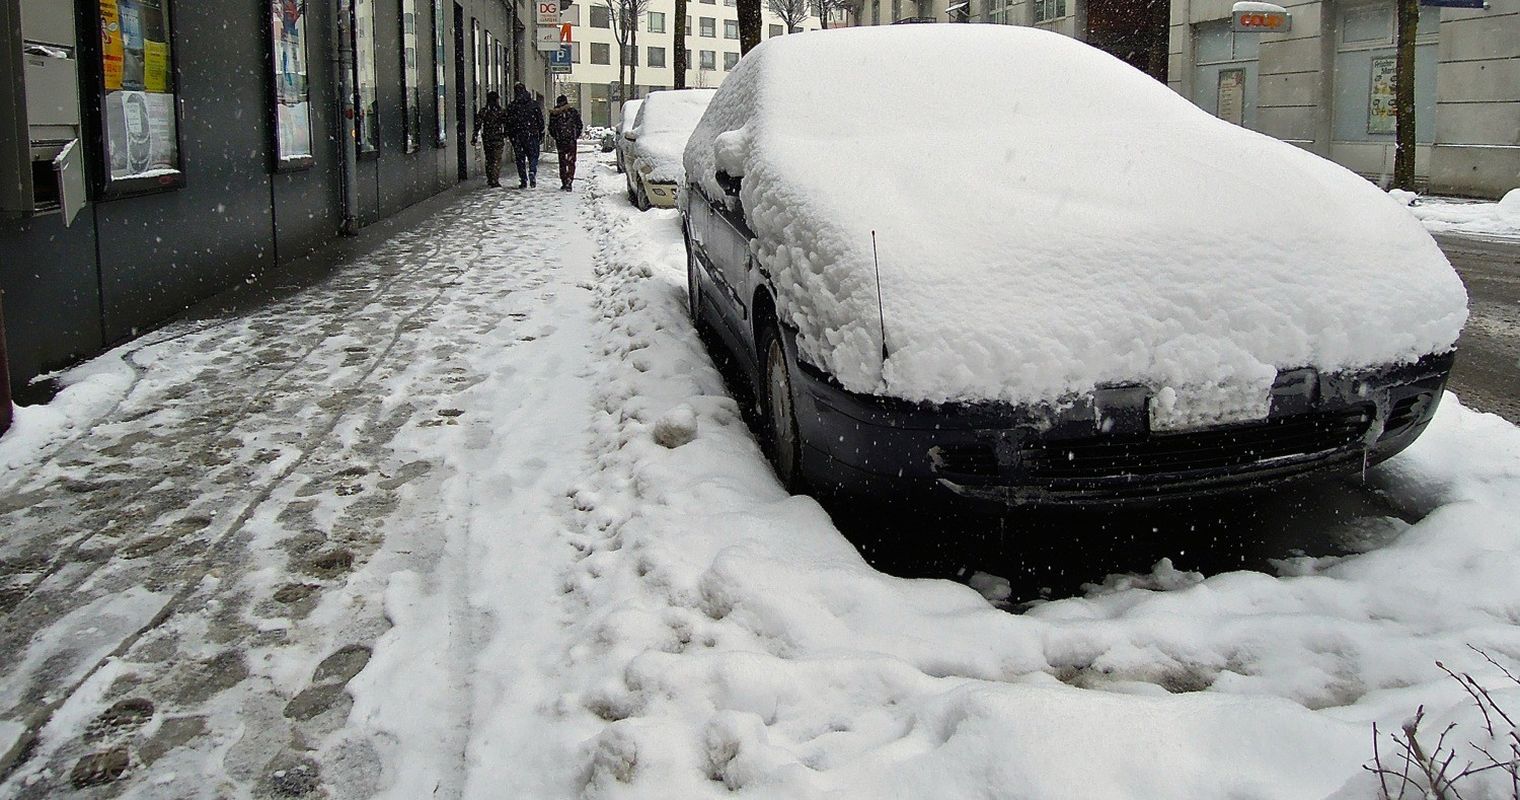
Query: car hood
{"x": 1057, "y": 222}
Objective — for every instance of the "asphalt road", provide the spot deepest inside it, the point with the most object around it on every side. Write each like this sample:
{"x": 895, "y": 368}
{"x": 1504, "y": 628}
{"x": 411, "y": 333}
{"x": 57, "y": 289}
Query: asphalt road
{"x": 1487, "y": 374}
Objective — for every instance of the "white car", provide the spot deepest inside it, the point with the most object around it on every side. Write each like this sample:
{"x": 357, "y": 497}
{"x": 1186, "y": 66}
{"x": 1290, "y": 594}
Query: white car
{"x": 656, "y": 142}
{"x": 1047, "y": 278}
{"x": 625, "y": 123}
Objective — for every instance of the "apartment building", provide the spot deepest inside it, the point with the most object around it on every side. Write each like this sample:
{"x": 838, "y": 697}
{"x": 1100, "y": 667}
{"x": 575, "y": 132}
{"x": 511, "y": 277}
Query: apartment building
{"x": 712, "y": 44}
{"x": 1326, "y": 84}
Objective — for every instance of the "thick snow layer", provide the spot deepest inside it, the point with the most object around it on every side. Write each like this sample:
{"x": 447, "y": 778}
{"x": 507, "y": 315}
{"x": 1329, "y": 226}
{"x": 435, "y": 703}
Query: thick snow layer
{"x": 1443, "y": 215}
{"x": 665, "y": 120}
{"x": 1087, "y": 226}
{"x": 629, "y": 115}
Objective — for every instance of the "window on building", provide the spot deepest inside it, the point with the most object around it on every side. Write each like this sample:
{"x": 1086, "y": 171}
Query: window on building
{"x": 656, "y": 22}
{"x": 601, "y": 53}
{"x": 688, "y": 25}
{"x": 601, "y": 17}
{"x": 896, "y": 10}
{"x": 708, "y": 26}
{"x": 730, "y": 60}
{"x": 709, "y": 59}
{"x": 729, "y": 3}
{"x": 686, "y": 53}
{"x": 656, "y": 56}
{"x": 1001, "y": 12}
{"x": 1046, "y": 10}
{"x": 775, "y": 30}
{"x": 875, "y": 12}
{"x": 730, "y": 29}
{"x": 571, "y": 14}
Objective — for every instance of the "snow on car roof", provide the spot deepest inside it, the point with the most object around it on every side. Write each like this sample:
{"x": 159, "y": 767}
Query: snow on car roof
{"x": 665, "y": 120}
{"x": 1050, "y": 220}
{"x": 628, "y": 114}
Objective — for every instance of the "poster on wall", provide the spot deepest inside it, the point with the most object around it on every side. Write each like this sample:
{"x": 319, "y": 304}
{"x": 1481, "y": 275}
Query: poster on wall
{"x": 411, "y": 82}
{"x": 439, "y": 96}
{"x": 367, "y": 110}
{"x": 138, "y": 110}
{"x": 292, "y": 97}
{"x": 1381, "y": 110}
{"x": 1232, "y": 95}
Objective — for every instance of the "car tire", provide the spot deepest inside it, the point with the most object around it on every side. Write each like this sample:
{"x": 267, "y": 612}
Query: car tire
{"x": 633, "y": 196}
{"x": 693, "y": 284}
{"x": 642, "y": 200}
{"x": 778, "y": 423}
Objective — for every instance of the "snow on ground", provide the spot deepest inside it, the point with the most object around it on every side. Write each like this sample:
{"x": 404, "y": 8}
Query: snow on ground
{"x": 570, "y": 573}
{"x": 1475, "y": 218}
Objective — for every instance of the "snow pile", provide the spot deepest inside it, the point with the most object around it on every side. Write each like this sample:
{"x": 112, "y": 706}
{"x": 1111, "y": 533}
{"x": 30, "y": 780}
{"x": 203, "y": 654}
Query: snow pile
{"x": 89, "y": 392}
{"x": 730, "y": 640}
{"x": 1444, "y": 215}
{"x": 629, "y": 115}
{"x": 1089, "y": 226}
{"x": 665, "y": 120}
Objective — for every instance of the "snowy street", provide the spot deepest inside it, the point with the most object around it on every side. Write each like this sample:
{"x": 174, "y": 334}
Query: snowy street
{"x": 474, "y": 514}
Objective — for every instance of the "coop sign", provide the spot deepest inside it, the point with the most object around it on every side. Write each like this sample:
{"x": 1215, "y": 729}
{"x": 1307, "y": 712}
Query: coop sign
{"x": 1249, "y": 17}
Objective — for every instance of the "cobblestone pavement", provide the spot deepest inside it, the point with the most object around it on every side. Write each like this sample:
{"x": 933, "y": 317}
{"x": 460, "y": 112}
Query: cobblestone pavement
{"x": 182, "y": 587}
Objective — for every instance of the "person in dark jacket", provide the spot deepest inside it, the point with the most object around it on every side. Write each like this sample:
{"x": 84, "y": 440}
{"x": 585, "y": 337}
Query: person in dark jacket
{"x": 492, "y": 122}
{"x": 525, "y": 125}
{"x": 565, "y": 126}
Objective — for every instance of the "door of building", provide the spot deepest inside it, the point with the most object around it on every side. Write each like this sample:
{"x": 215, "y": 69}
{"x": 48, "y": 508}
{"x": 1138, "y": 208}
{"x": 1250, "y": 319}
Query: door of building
{"x": 1362, "y": 107}
{"x": 1225, "y": 75}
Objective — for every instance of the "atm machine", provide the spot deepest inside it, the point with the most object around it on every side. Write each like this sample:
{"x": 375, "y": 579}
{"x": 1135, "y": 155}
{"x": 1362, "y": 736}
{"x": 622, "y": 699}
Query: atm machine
{"x": 41, "y": 158}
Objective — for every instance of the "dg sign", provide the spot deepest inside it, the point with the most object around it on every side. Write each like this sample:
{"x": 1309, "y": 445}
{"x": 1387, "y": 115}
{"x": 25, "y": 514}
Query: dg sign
{"x": 548, "y": 12}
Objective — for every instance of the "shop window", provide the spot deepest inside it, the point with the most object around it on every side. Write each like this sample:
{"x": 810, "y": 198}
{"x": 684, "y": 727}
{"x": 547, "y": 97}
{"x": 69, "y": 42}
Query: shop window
{"x": 440, "y": 76}
{"x": 135, "y": 103}
{"x": 292, "y": 93}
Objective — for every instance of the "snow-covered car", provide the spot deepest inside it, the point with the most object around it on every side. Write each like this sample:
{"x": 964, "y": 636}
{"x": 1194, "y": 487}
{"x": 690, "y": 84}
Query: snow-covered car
{"x": 1087, "y": 291}
{"x": 629, "y": 113}
{"x": 656, "y": 142}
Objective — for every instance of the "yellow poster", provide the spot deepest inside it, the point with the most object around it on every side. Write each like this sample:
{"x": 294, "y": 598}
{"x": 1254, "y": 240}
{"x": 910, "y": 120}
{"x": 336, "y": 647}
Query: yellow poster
{"x": 110, "y": 44}
{"x": 156, "y": 66}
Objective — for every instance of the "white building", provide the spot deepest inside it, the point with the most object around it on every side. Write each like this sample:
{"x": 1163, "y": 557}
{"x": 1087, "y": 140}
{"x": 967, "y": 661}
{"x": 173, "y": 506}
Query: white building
{"x": 712, "y": 42}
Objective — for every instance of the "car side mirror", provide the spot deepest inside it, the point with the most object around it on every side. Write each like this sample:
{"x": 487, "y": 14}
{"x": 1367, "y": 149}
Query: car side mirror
{"x": 729, "y": 183}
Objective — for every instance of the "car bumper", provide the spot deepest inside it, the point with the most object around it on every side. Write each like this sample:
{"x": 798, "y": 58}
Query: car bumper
{"x": 1100, "y": 450}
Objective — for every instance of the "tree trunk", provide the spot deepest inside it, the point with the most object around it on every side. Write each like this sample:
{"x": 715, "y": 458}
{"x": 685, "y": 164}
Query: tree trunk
{"x": 680, "y": 45}
{"x": 633, "y": 68}
{"x": 1403, "y": 96}
{"x": 749, "y": 25}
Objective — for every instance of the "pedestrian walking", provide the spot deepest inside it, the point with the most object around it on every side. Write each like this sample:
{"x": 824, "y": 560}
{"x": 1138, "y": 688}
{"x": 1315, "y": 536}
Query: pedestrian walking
{"x": 565, "y": 126}
{"x": 525, "y": 125}
{"x": 491, "y": 125}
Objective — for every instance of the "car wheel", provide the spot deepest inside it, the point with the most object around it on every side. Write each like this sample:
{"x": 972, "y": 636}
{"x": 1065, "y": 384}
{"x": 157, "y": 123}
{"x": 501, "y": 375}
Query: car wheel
{"x": 633, "y": 196}
{"x": 642, "y": 200}
{"x": 783, "y": 445}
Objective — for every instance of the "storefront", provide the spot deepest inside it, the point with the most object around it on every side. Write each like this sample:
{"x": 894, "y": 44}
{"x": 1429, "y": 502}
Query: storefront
{"x": 192, "y": 172}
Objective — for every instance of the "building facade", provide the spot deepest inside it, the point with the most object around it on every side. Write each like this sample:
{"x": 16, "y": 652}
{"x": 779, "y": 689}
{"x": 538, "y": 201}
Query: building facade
{"x": 1325, "y": 85}
{"x": 210, "y": 143}
{"x": 712, "y": 39}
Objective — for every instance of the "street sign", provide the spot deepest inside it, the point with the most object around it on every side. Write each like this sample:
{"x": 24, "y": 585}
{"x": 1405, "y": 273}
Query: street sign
{"x": 1253, "y": 17}
{"x": 546, "y": 38}
{"x": 560, "y": 60}
{"x": 548, "y": 12}
{"x": 565, "y": 35}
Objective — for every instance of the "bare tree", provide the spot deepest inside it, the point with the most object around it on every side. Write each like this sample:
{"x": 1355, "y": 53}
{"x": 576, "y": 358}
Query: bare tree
{"x": 679, "y": 56}
{"x": 749, "y": 25}
{"x": 792, "y": 12}
{"x": 823, "y": 8}
{"x": 625, "y": 16}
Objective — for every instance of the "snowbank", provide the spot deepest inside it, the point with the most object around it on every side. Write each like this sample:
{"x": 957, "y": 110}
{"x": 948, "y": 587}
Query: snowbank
{"x": 1049, "y": 220}
{"x": 665, "y": 120}
{"x": 733, "y": 641}
{"x": 1442, "y": 215}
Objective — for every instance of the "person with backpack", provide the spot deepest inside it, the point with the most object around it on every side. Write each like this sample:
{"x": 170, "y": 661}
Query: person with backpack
{"x": 525, "y": 125}
{"x": 492, "y": 121}
{"x": 565, "y": 126}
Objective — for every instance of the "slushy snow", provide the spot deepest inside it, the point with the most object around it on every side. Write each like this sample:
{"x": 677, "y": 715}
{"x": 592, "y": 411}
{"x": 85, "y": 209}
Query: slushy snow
{"x": 1474, "y": 218}
{"x": 1085, "y": 226}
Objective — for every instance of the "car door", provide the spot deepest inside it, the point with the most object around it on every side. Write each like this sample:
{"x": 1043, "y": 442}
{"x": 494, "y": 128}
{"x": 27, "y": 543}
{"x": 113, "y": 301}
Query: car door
{"x": 728, "y": 241}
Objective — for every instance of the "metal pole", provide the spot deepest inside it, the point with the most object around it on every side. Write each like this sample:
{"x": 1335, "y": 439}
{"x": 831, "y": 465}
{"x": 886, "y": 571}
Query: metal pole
{"x": 5, "y": 375}
{"x": 343, "y": 68}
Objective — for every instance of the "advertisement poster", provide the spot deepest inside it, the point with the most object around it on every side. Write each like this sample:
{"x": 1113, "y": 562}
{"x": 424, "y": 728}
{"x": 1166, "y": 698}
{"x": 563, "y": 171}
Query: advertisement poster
{"x": 139, "y": 103}
{"x": 1232, "y": 95}
{"x": 292, "y": 97}
{"x": 1381, "y": 111}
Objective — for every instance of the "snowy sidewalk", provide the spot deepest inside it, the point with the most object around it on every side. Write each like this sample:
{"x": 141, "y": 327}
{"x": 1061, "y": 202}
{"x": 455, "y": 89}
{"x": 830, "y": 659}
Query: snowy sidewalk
{"x": 477, "y": 518}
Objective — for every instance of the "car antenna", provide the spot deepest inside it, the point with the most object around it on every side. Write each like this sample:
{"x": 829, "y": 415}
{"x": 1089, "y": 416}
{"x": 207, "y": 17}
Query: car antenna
{"x": 881, "y": 315}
